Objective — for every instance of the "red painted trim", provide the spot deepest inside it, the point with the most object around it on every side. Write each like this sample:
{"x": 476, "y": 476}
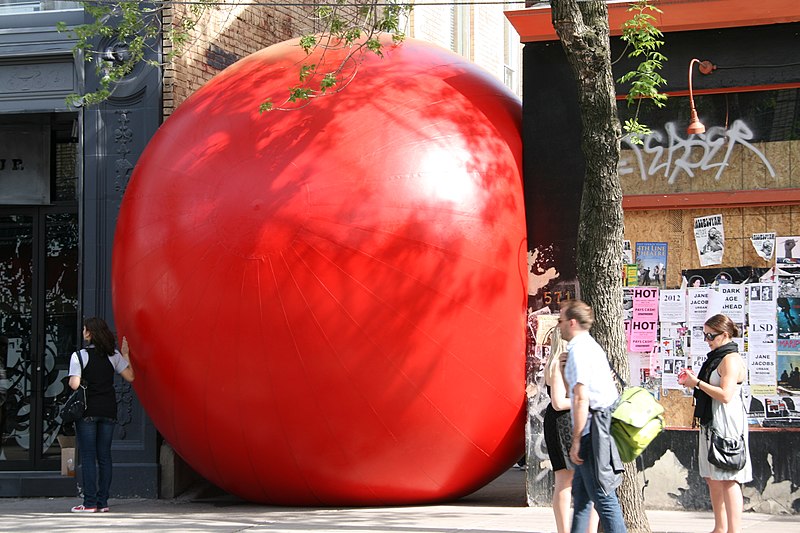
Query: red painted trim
{"x": 752, "y": 428}
{"x": 534, "y": 23}
{"x": 711, "y": 200}
{"x": 730, "y": 90}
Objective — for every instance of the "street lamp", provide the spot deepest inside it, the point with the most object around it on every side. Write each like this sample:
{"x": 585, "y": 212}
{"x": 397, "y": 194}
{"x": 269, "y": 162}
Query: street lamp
{"x": 695, "y": 126}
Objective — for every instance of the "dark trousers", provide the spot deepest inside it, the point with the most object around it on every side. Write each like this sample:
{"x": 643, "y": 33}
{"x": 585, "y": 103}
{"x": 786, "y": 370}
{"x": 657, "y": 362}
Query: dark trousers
{"x": 94, "y": 435}
{"x": 586, "y": 490}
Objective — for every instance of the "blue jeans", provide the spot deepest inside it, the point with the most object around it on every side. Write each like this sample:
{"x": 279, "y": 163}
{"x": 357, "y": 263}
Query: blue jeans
{"x": 94, "y": 435}
{"x": 585, "y": 490}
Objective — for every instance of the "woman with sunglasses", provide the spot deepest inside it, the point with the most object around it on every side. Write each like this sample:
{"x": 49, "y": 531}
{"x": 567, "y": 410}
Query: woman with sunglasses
{"x": 718, "y": 401}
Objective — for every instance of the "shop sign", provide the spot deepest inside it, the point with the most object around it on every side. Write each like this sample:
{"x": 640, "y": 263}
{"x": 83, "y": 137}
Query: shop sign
{"x": 24, "y": 164}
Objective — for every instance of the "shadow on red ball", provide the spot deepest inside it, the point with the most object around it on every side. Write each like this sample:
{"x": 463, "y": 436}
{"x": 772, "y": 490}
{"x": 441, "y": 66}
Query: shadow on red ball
{"x": 326, "y": 306}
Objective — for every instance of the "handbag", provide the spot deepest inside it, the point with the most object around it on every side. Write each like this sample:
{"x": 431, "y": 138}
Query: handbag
{"x": 727, "y": 453}
{"x": 75, "y": 405}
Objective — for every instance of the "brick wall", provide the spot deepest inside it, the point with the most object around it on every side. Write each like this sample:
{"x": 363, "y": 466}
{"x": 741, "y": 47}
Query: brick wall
{"x": 230, "y": 32}
{"x": 432, "y": 24}
{"x": 224, "y": 35}
{"x": 487, "y": 41}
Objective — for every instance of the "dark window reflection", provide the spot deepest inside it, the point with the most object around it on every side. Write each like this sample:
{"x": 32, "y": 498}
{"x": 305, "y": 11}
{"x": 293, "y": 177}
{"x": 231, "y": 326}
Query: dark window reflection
{"x": 769, "y": 115}
{"x": 16, "y": 297}
{"x": 61, "y": 318}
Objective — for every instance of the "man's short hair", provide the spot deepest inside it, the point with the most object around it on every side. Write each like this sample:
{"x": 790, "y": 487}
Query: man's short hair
{"x": 580, "y": 311}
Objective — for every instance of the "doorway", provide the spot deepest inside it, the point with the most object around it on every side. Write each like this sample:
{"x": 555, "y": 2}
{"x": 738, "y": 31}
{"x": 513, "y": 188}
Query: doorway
{"x": 39, "y": 283}
{"x": 38, "y": 330}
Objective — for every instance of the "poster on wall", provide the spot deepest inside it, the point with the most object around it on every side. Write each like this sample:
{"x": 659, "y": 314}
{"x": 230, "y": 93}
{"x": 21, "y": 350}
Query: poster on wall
{"x": 762, "y": 373}
{"x": 787, "y": 252}
{"x": 789, "y": 286}
{"x": 673, "y": 331}
{"x": 639, "y": 366}
{"x": 709, "y": 236}
{"x": 707, "y": 277}
{"x": 631, "y": 275}
{"x": 672, "y": 306}
{"x": 789, "y": 346}
{"x": 627, "y": 303}
{"x": 788, "y": 372}
{"x": 651, "y": 257}
{"x": 732, "y": 302}
{"x": 762, "y": 301}
{"x": 696, "y": 305}
{"x": 671, "y": 368}
{"x": 644, "y": 324}
{"x": 788, "y": 318}
{"x": 764, "y": 244}
{"x": 761, "y": 337}
{"x": 715, "y": 301}
{"x": 698, "y": 346}
{"x": 627, "y": 252}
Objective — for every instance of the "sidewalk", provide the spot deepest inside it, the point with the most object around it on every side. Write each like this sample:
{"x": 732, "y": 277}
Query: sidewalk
{"x": 497, "y": 508}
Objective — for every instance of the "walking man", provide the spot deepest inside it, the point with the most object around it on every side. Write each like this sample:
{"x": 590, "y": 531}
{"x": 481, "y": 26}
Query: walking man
{"x": 592, "y": 389}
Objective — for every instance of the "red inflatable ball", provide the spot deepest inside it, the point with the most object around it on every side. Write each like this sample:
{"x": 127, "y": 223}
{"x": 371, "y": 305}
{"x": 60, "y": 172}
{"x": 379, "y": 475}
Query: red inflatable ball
{"x": 326, "y": 306}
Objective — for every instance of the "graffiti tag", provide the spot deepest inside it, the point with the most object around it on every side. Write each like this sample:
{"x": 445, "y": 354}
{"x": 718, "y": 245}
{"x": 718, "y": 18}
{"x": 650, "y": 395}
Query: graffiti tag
{"x": 674, "y": 154}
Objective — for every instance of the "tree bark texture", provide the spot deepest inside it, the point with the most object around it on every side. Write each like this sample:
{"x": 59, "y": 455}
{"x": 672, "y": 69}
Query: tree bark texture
{"x": 582, "y": 26}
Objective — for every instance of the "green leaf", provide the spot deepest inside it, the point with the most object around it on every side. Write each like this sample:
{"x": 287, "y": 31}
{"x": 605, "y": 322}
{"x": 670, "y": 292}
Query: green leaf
{"x": 643, "y": 40}
{"x": 354, "y": 23}
{"x": 306, "y": 71}
{"x": 374, "y": 45}
{"x": 307, "y": 43}
{"x": 266, "y": 105}
{"x": 635, "y": 131}
{"x": 299, "y": 93}
{"x": 328, "y": 81}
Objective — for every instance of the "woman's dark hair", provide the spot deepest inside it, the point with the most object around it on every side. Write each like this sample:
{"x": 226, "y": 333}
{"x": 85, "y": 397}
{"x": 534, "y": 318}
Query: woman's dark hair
{"x": 102, "y": 338}
{"x": 723, "y": 324}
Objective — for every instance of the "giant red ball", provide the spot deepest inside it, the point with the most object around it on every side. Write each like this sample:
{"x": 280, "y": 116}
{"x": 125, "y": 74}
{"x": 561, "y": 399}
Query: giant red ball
{"x": 327, "y": 305}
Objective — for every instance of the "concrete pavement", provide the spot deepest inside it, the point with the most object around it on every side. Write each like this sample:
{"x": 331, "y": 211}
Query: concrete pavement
{"x": 497, "y": 508}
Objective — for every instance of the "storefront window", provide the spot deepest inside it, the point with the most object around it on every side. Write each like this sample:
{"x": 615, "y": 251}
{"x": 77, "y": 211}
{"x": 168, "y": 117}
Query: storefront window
{"x": 66, "y": 170}
{"x": 751, "y": 142}
{"x": 39, "y": 159}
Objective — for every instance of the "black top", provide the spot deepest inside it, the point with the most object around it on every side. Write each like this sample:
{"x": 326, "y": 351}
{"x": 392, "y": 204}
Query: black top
{"x": 702, "y": 405}
{"x": 101, "y": 396}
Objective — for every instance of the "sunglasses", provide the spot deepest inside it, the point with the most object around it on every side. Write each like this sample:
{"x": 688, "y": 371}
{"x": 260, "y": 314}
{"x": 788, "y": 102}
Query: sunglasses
{"x": 711, "y": 336}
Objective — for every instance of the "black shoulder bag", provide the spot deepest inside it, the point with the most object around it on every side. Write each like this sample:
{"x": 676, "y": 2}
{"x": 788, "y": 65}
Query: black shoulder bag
{"x": 75, "y": 405}
{"x": 727, "y": 453}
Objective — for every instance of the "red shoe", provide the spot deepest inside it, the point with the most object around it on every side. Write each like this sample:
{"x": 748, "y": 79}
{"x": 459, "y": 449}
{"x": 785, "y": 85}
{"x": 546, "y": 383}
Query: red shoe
{"x": 82, "y": 509}
{"x": 103, "y": 509}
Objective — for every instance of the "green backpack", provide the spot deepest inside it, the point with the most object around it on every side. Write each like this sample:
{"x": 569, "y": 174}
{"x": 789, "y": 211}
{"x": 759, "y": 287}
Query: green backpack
{"x": 636, "y": 419}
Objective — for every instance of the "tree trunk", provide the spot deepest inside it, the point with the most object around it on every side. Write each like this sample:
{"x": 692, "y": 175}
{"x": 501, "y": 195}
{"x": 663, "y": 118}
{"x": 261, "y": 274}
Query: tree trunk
{"x": 583, "y": 30}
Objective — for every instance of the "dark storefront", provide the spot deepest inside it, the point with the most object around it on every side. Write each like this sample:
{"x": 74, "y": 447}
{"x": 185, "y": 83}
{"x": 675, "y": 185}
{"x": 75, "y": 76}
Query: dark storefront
{"x": 742, "y": 168}
{"x": 62, "y": 175}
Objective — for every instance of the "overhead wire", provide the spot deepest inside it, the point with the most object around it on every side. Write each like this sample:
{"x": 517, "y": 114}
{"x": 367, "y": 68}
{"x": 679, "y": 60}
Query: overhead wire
{"x": 257, "y": 3}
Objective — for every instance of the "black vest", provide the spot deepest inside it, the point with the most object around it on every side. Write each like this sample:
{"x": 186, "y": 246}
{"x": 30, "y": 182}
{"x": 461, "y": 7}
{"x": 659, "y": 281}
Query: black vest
{"x": 99, "y": 374}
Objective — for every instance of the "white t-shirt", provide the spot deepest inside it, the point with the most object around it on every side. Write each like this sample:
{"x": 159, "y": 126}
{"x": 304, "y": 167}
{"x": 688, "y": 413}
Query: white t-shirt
{"x": 587, "y": 364}
{"x": 117, "y": 361}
